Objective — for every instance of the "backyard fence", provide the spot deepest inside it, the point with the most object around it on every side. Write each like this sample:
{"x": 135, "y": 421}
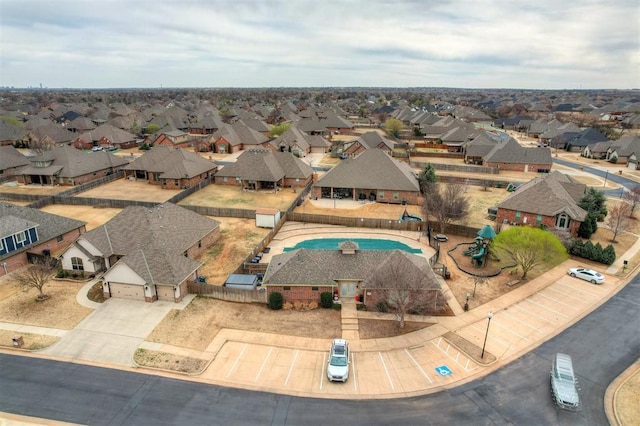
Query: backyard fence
{"x": 228, "y": 294}
{"x": 456, "y": 167}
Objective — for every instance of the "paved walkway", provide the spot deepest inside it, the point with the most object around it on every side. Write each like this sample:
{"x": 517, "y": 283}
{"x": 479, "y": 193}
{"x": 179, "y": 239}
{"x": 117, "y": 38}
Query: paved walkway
{"x": 404, "y": 365}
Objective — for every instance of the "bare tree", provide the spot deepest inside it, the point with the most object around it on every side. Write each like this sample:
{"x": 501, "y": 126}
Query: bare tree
{"x": 633, "y": 197}
{"x": 618, "y": 219}
{"x": 37, "y": 275}
{"x": 446, "y": 204}
{"x": 408, "y": 285}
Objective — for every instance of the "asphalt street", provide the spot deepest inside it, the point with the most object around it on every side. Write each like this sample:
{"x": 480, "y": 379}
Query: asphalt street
{"x": 602, "y": 346}
{"x": 620, "y": 180}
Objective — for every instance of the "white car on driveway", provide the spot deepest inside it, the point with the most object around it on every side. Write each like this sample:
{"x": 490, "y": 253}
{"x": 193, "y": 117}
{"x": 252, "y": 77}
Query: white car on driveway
{"x": 338, "y": 367}
{"x": 594, "y": 277}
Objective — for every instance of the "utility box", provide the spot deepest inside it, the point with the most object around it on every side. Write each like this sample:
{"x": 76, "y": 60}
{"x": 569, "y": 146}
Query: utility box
{"x": 242, "y": 281}
{"x": 18, "y": 341}
{"x": 267, "y": 218}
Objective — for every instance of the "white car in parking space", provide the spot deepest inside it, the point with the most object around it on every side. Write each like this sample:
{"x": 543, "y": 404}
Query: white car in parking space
{"x": 594, "y": 277}
{"x": 338, "y": 367}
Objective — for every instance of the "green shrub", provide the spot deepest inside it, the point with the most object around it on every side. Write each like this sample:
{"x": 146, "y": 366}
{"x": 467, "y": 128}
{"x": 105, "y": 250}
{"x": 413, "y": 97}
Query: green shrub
{"x": 588, "y": 250}
{"x": 608, "y": 255}
{"x": 326, "y": 299}
{"x": 275, "y": 301}
{"x": 382, "y": 306}
{"x": 337, "y": 307}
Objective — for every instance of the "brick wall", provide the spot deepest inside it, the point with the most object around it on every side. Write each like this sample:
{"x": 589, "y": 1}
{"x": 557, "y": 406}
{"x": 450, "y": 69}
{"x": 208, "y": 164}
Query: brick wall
{"x": 299, "y": 293}
{"x": 194, "y": 251}
{"x": 518, "y": 167}
{"x": 548, "y": 221}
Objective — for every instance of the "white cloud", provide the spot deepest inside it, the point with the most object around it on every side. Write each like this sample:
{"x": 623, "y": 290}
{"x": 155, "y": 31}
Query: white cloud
{"x": 501, "y": 43}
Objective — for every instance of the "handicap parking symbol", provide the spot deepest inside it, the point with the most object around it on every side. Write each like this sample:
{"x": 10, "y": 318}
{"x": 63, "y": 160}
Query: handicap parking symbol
{"x": 443, "y": 370}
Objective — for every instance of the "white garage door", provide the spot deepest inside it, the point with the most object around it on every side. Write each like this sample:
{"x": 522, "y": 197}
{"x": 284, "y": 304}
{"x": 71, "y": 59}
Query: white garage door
{"x": 127, "y": 291}
{"x": 165, "y": 292}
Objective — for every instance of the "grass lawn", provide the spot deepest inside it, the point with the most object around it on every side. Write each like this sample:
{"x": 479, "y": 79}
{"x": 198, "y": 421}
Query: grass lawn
{"x": 233, "y": 197}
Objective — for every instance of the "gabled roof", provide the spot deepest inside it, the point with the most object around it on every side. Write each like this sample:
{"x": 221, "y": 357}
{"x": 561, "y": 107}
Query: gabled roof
{"x": 587, "y": 136}
{"x": 11, "y": 132}
{"x": 548, "y": 196}
{"x": 325, "y": 267}
{"x": 292, "y": 137}
{"x": 115, "y": 135}
{"x": 68, "y": 162}
{"x": 11, "y": 157}
{"x": 57, "y": 133}
{"x": 480, "y": 146}
{"x": 267, "y": 166}
{"x": 158, "y": 267}
{"x": 373, "y": 139}
{"x": 511, "y": 152}
{"x": 371, "y": 169}
{"x": 626, "y": 145}
{"x": 50, "y": 225}
{"x": 165, "y": 227}
{"x": 172, "y": 163}
{"x": 239, "y": 133}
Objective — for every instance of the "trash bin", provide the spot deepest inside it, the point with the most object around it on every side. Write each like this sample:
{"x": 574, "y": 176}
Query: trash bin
{"x": 18, "y": 341}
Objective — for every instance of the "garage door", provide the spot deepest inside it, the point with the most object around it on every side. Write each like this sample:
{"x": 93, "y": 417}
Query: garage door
{"x": 165, "y": 292}
{"x": 127, "y": 291}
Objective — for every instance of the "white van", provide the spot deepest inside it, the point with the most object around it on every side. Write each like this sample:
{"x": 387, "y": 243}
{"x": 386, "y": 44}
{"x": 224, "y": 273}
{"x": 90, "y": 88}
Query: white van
{"x": 564, "y": 389}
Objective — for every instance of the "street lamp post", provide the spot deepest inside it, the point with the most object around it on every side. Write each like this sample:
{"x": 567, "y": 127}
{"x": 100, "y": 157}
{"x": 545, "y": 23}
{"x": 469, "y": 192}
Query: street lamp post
{"x": 466, "y": 304}
{"x": 489, "y": 316}
{"x": 606, "y": 175}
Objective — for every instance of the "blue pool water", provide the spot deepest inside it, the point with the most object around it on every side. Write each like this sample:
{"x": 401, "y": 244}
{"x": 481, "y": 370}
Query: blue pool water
{"x": 363, "y": 243}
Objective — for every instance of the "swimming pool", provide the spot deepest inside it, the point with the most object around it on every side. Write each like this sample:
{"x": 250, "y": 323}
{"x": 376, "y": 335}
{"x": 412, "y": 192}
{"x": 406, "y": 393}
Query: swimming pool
{"x": 363, "y": 243}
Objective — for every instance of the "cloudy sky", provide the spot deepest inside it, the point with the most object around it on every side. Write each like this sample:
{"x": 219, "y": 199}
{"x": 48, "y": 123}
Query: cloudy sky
{"x": 539, "y": 44}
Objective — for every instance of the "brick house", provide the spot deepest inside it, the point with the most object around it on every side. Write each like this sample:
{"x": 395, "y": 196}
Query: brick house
{"x": 142, "y": 253}
{"x": 11, "y": 161}
{"x": 263, "y": 169}
{"x": 26, "y": 233}
{"x": 106, "y": 135}
{"x": 299, "y": 143}
{"x": 65, "y": 165}
{"x": 236, "y": 137}
{"x": 302, "y": 275}
{"x": 511, "y": 156}
{"x": 551, "y": 201}
{"x": 374, "y": 176}
{"x": 368, "y": 140}
{"x": 171, "y": 168}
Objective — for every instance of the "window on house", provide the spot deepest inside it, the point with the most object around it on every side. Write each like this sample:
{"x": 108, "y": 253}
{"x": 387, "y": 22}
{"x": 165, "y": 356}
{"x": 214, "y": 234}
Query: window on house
{"x": 396, "y": 195}
{"x": 518, "y": 214}
{"x": 539, "y": 220}
{"x": 199, "y": 243}
{"x": 381, "y": 194}
{"x": 562, "y": 221}
{"x": 21, "y": 237}
{"x": 314, "y": 288}
{"x": 224, "y": 178}
{"x": 2, "y": 245}
{"x": 286, "y": 288}
{"x": 76, "y": 264}
{"x": 176, "y": 182}
{"x": 59, "y": 239}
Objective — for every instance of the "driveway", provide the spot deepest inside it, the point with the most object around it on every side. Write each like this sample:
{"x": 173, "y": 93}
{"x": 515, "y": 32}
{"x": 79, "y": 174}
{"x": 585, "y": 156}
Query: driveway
{"x": 113, "y": 332}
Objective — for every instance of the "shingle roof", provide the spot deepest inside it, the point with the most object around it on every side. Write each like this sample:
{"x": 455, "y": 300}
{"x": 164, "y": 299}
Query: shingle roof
{"x": 11, "y": 157}
{"x": 167, "y": 226}
{"x": 371, "y": 169}
{"x": 267, "y": 166}
{"x": 50, "y": 225}
{"x": 69, "y": 162}
{"x": 373, "y": 139}
{"x": 324, "y": 267}
{"x": 511, "y": 152}
{"x": 548, "y": 196}
{"x": 115, "y": 135}
{"x": 159, "y": 267}
{"x": 172, "y": 163}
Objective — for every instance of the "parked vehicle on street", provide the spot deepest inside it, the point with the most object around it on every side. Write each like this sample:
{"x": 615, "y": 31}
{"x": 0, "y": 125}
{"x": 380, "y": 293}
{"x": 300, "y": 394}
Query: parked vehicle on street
{"x": 338, "y": 367}
{"x": 564, "y": 386}
{"x": 96, "y": 148}
{"x": 594, "y": 277}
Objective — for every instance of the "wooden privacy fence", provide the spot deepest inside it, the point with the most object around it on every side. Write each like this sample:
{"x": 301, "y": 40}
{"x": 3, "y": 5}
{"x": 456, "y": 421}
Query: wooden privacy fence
{"x": 228, "y": 294}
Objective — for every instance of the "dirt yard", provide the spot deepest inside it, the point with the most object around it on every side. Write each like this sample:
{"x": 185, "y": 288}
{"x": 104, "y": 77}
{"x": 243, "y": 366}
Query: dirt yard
{"x": 32, "y": 342}
{"x": 61, "y": 310}
{"x": 124, "y": 189}
{"x": 627, "y": 401}
{"x": 378, "y": 329}
{"x": 196, "y": 325}
{"x": 233, "y": 197}
{"x": 93, "y": 216}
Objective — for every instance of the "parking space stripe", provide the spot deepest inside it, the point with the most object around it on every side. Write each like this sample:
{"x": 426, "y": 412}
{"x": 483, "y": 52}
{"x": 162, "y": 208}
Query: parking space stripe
{"x": 540, "y": 305}
{"x": 244, "y": 348}
{"x": 565, "y": 295}
{"x": 554, "y": 300}
{"x": 293, "y": 363}
{"x": 263, "y": 364}
{"x": 579, "y": 288}
{"x": 324, "y": 360}
{"x": 465, "y": 366}
{"x": 511, "y": 331}
{"x": 533, "y": 314}
{"x": 353, "y": 372}
{"x": 518, "y": 320}
{"x": 386, "y": 370}
{"x": 418, "y": 365}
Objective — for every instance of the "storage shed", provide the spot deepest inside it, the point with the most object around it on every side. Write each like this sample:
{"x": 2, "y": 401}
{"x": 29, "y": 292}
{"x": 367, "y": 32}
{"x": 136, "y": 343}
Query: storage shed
{"x": 267, "y": 218}
{"x": 242, "y": 281}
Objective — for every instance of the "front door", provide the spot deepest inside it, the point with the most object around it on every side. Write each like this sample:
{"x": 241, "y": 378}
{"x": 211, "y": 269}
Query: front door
{"x": 348, "y": 289}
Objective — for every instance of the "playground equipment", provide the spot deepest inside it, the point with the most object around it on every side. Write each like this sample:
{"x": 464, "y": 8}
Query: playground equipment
{"x": 477, "y": 245}
{"x": 479, "y": 256}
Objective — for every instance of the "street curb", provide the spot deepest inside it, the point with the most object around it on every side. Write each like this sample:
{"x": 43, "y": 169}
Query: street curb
{"x": 611, "y": 394}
